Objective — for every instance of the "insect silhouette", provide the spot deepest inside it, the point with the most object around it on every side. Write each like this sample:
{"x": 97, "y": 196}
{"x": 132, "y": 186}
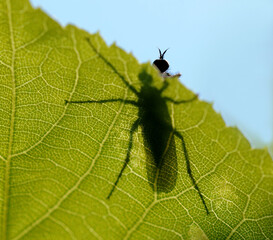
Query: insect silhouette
{"x": 162, "y": 65}
{"x": 157, "y": 129}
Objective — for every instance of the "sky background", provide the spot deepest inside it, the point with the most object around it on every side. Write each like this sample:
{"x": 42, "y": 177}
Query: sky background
{"x": 223, "y": 48}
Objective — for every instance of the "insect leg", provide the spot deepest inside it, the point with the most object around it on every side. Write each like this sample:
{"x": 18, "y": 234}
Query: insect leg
{"x": 133, "y": 129}
{"x": 165, "y": 85}
{"x": 189, "y": 169}
{"x": 181, "y": 101}
{"x": 112, "y": 67}
{"x": 104, "y": 101}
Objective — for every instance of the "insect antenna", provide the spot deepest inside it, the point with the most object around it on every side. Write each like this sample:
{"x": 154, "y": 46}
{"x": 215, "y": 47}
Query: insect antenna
{"x": 162, "y": 56}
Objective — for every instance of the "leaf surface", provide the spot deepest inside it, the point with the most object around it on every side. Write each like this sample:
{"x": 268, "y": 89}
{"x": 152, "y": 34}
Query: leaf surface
{"x": 58, "y": 163}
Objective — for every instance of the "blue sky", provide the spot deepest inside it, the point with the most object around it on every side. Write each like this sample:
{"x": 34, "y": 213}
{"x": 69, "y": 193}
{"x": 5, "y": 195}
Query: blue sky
{"x": 223, "y": 48}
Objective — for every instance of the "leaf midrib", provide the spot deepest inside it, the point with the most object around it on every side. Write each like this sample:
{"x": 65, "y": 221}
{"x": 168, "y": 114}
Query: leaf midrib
{"x": 55, "y": 206}
{"x": 76, "y": 185}
{"x": 12, "y": 122}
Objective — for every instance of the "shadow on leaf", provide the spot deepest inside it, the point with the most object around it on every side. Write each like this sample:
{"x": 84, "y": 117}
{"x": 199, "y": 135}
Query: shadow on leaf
{"x": 157, "y": 130}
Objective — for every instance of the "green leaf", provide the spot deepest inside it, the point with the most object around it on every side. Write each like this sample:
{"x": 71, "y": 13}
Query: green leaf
{"x": 270, "y": 147}
{"x": 59, "y": 162}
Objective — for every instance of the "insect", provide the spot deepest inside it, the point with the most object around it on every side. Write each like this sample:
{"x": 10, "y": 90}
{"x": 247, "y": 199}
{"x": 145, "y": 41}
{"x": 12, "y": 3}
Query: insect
{"x": 155, "y": 122}
{"x": 163, "y": 65}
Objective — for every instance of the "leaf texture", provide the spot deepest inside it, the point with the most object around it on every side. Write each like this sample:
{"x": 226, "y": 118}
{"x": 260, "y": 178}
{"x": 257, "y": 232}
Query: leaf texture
{"x": 59, "y": 162}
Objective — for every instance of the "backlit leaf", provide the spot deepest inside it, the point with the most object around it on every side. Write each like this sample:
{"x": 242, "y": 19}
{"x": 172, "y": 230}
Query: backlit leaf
{"x": 59, "y": 162}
